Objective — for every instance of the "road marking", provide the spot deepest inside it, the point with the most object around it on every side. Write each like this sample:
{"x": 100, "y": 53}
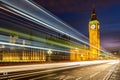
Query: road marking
{"x": 68, "y": 77}
{"x": 78, "y": 78}
{"x": 65, "y": 72}
{"x": 43, "y": 76}
{"x": 60, "y": 77}
{"x": 94, "y": 74}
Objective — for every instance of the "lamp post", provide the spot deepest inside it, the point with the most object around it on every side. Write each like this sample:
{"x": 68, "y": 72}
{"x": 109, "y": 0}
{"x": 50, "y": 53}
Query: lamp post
{"x": 2, "y": 52}
{"x": 49, "y": 55}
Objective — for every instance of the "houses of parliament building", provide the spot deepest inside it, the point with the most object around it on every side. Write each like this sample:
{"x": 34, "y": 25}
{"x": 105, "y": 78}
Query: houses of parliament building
{"x": 22, "y": 40}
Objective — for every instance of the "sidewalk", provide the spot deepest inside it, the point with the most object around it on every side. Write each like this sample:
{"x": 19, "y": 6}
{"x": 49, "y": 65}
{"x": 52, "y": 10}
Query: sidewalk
{"x": 116, "y": 73}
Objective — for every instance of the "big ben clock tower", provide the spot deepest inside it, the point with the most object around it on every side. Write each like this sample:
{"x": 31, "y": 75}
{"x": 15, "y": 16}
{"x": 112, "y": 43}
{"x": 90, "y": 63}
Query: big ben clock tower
{"x": 94, "y": 36}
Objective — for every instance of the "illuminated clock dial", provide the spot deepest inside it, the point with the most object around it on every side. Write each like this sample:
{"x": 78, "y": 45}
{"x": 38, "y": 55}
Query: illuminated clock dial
{"x": 92, "y": 26}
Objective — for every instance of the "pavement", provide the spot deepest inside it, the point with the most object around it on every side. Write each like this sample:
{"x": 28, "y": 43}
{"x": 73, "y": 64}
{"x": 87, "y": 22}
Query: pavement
{"x": 116, "y": 73}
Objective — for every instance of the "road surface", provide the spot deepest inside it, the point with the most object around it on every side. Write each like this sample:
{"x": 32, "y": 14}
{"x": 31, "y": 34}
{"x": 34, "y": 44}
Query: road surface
{"x": 71, "y": 72}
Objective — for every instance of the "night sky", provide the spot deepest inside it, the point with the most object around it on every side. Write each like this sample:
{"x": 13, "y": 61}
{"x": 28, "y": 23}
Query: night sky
{"x": 77, "y": 14}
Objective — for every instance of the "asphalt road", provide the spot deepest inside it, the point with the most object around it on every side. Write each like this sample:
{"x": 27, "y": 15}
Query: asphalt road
{"x": 96, "y": 72}
{"x": 92, "y": 72}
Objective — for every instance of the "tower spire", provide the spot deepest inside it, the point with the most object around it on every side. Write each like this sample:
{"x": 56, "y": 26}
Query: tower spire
{"x": 93, "y": 14}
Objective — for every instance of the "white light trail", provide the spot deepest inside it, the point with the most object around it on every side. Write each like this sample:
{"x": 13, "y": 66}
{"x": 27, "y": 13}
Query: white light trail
{"x": 62, "y": 28}
{"x": 55, "y": 17}
{"x": 36, "y": 14}
{"x": 51, "y": 66}
{"x": 34, "y": 47}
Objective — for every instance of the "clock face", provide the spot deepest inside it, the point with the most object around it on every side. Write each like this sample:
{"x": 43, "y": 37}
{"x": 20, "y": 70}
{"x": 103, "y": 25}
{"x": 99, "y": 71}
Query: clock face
{"x": 92, "y": 26}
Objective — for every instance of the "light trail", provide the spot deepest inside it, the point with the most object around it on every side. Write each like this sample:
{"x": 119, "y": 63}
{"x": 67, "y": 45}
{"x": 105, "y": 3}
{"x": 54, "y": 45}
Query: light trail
{"x": 34, "y": 47}
{"x": 46, "y": 24}
{"x": 28, "y": 42}
{"x": 44, "y": 18}
{"x": 38, "y": 38}
{"x": 42, "y": 23}
{"x": 51, "y": 66}
{"x": 55, "y": 17}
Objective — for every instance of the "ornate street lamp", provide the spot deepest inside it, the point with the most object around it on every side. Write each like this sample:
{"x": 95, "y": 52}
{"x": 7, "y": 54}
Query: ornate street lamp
{"x": 49, "y": 55}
